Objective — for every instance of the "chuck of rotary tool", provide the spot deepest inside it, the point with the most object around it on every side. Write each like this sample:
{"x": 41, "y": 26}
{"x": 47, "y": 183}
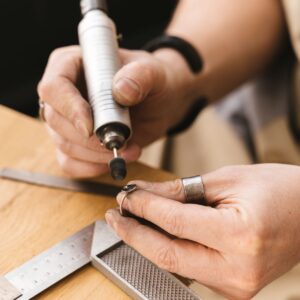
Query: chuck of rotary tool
{"x": 113, "y": 137}
{"x": 98, "y": 41}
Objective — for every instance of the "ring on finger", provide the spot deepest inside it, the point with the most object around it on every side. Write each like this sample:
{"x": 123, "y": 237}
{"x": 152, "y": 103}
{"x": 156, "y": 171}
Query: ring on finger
{"x": 193, "y": 189}
{"x": 127, "y": 189}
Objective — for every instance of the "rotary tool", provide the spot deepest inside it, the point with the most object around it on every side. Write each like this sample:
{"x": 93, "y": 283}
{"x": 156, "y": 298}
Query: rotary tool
{"x": 101, "y": 61}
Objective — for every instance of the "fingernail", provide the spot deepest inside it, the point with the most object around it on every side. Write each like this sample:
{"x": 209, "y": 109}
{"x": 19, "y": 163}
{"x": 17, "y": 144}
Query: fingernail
{"x": 128, "y": 89}
{"x": 82, "y": 128}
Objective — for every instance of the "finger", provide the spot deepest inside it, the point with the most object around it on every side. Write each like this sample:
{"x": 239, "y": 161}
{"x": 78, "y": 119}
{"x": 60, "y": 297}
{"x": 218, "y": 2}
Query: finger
{"x": 69, "y": 141}
{"x": 216, "y": 186}
{"x": 80, "y": 169}
{"x": 58, "y": 88}
{"x": 79, "y": 152}
{"x": 65, "y": 129}
{"x": 176, "y": 256}
{"x": 172, "y": 189}
{"x": 223, "y": 185}
{"x": 138, "y": 79}
{"x": 201, "y": 224}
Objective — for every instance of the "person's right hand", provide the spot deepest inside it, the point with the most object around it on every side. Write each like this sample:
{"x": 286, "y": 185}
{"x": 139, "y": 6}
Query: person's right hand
{"x": 158, "y": 88}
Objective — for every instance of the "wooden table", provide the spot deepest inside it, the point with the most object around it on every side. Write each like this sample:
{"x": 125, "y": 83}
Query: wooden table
{"x": 32, "y": 219}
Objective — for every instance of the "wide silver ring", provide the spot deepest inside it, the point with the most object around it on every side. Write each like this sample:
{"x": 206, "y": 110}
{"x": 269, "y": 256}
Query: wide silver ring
{"x": 194, "y": 189}
{"x": 127, "y": 189}
{"x": 42, "y": 110}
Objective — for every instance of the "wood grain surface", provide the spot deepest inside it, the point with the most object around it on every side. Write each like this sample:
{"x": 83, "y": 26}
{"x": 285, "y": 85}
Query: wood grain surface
{"x": 32, "y": 219}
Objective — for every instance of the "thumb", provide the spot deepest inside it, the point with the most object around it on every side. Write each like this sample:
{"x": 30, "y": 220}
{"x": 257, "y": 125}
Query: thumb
{"x": 137, "y": 80}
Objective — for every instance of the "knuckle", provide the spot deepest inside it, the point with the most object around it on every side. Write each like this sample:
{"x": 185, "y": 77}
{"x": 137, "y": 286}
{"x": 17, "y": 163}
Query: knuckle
{"x": 175, "y": 187}
{"x": 56, "y": 54}
{"x": 233, "y": 171}
{"x": 148, "y": 71}
{"x": 46, "y": 87}
{"x": 255, "y": 242}
{"x": 250, "y": 283}
{"x": 64, "y": 161}
{"x": 80, "y": 108}
{"x": 174, "y": 222}
{"x": 65, "y": 147}
{"x": 166, "y": 258}
{"x": 122, "y": 232}
{"x": 66, "y": 56}
{"x": 94, "y": 144}
{"x": 139, "y": 206}
{"x": 50, "y": 116}
{"x": 140, "y": 67}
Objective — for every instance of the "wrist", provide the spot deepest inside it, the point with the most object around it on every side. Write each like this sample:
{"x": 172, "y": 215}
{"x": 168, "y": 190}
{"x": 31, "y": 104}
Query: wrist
{"x": 178, "y": 73}
{"x": 186, "y": 89}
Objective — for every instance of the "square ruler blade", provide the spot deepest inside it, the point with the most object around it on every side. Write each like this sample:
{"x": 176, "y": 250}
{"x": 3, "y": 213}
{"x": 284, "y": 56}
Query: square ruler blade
{"x": 51, "y": 266}
{"x": 97, "y": 243}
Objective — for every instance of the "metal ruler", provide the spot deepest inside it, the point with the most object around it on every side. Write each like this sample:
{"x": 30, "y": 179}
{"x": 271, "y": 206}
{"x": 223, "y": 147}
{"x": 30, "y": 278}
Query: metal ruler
{"x": 57, "y": 182}
{"x": 98, "y": 244}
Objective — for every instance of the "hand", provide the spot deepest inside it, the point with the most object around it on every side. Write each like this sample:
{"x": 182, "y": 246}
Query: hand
{"x": 246, "y": 236}
{"x": 150, "y": 83}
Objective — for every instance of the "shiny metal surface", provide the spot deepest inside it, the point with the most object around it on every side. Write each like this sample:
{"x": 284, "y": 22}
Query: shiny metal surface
{"x": 56, "y": 182}
{"x": 193, "y": 189}
{"x": 52, "y": 265}
{"x": 96, "y": 243}
{"x": 7, "y": 290}
{"x": 138, "y": 277}
{"x": 98, "y": 40}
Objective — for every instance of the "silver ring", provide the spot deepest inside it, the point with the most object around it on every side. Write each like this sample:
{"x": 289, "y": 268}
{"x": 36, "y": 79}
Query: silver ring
{"x": 42, "y": 110}
{"x": 193, "y": 189}
{"x": 128, "y": 189}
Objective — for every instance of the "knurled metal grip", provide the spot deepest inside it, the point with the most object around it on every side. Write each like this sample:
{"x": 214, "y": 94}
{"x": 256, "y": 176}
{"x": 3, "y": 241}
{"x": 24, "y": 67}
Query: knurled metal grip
{"x": 98, "y": 40}
{"x": 139, "y": 277}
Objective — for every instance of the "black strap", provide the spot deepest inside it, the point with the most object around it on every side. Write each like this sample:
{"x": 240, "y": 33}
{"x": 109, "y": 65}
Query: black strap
{"x": 195, "y": 63}
{"x": 189, "y": 53}
{"x": 191, "y": 116}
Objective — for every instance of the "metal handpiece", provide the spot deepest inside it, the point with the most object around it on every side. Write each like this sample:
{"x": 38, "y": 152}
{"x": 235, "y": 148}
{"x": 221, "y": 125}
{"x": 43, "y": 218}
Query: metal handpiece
{"x": 98, "y": 40}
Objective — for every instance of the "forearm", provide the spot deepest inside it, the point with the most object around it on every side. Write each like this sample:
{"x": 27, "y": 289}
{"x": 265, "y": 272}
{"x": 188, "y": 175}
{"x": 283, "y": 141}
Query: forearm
{"x": 237, "y": 39}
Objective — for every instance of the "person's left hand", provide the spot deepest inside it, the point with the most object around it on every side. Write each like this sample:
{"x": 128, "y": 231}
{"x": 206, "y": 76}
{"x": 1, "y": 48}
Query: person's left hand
{"x": 246, "y": 236}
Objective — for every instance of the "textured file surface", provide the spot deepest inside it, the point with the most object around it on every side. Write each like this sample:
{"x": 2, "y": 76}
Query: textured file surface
{"x": 148, "y": 279}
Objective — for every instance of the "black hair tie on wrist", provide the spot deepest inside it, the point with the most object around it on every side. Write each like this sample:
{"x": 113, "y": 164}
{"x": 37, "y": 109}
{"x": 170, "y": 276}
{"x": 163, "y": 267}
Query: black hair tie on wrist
{"x": 195, "y": 63}
{"x": 189, "y": 53}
